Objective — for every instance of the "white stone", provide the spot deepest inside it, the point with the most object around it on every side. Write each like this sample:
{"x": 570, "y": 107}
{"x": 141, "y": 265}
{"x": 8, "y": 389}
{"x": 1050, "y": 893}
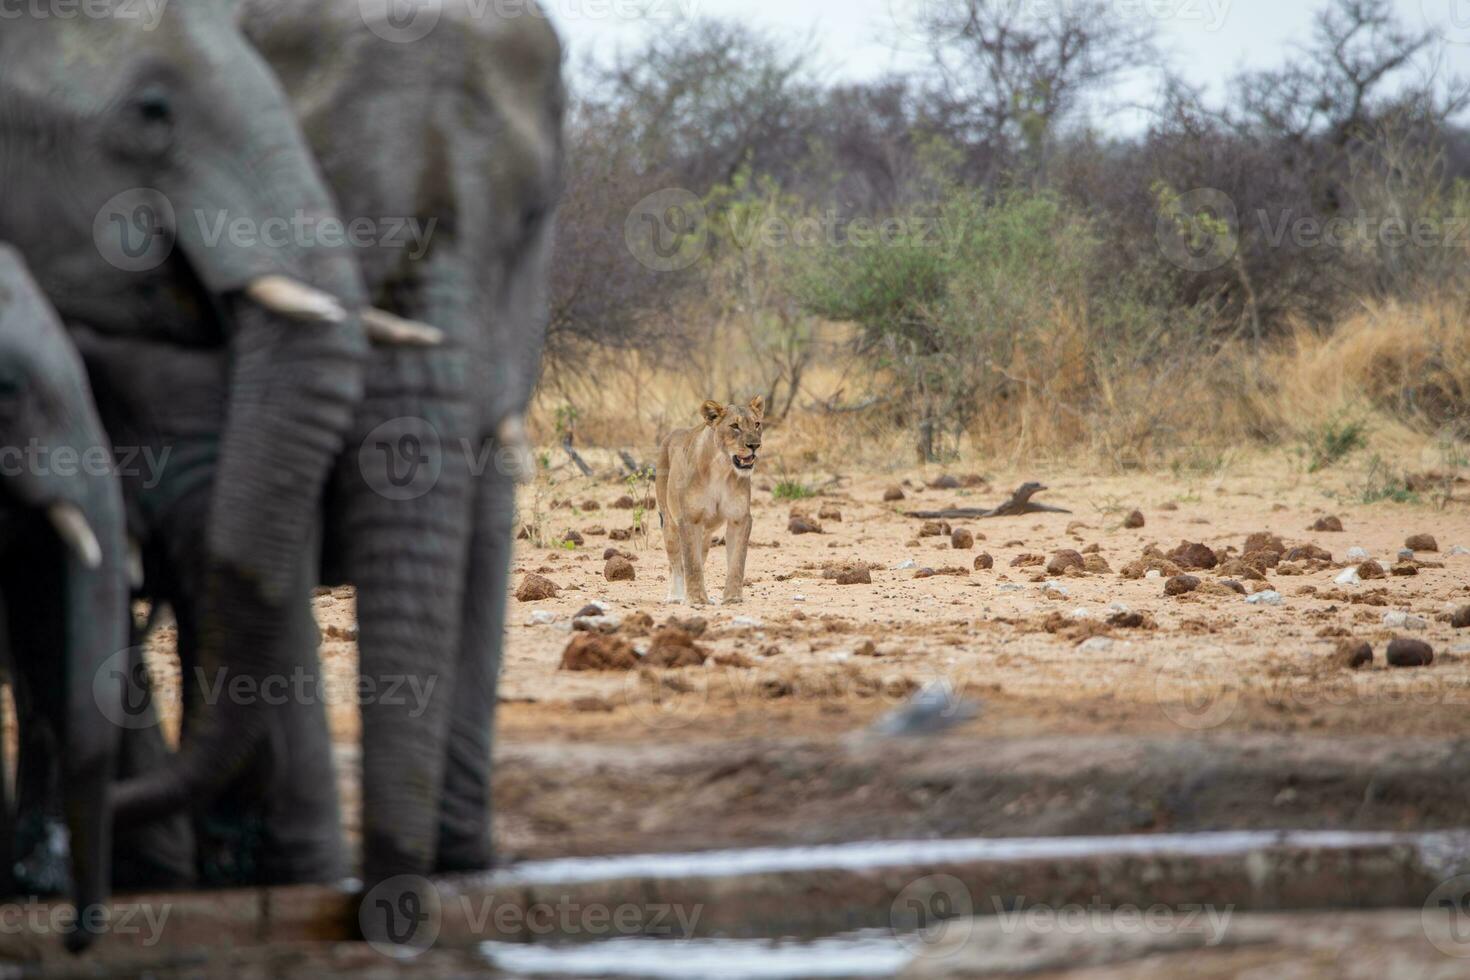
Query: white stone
{"x": 750, "y": 621}
{"x": 1096, "y": 644}
{"x": 905, "y": 565}
{"x": 1153, "y": 573}
{"x": 1457, "y": 551}
{"x": 1269, "y": 597}
{"x": 1349, "y": 576}
{"x": 1357, "y": 554}
{"x": 798, "y": 598}
{"x": 1397, "y": 620}
{"x": 541, "y": 617}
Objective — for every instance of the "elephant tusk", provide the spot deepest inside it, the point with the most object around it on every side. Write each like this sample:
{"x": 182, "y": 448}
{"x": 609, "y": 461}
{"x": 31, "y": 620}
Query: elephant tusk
{"x": 71, "y": 524}
{"x": 514, "y": 440}
{"x": 296, "y": 300}
{"x": 391, "y": 330}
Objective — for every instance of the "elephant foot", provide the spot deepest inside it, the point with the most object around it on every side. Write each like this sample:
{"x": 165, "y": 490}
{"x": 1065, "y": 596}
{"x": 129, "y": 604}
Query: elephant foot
{"x": 42, "y": 864}
{"x": 464, "y": 856}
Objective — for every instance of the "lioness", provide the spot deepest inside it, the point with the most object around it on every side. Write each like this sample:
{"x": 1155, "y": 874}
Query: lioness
{"x": 704, "y": 482}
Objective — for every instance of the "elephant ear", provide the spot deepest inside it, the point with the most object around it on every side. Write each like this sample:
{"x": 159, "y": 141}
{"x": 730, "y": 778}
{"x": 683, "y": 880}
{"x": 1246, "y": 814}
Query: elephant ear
{"x": 711, "y": 411}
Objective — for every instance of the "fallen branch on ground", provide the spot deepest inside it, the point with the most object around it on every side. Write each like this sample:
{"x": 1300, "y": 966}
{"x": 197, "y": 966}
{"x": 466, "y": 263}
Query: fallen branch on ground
{"x": 1020, "y": 503}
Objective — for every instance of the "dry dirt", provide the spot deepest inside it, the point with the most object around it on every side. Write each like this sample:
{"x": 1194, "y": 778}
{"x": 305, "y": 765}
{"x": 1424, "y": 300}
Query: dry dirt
{"x": 1124, "y": 725}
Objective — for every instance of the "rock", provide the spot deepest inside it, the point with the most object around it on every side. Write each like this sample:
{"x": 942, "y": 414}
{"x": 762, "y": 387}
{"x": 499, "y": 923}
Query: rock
{"x": 1354, "y": 653}
{"x": 984, "y": 561}
{"x": 1267, "y": 597}
{"x": 693, "y": 625}
{"x": 597, "y": 624}
{"x": 1027, "y": 561}
{"x": 1404, "y": 569}
{"x": 335, "y": 632}
{"x": 855, "y": 575}
{"x": 541, "y": 617}
{"x": 673, "y": 648}
{"x": 894, "y": 492}
{"x": 1191, "y": 555}
{"x": 621, "y": 534}
{"x": 591, "y": 609}
{"x": 596, "y": 531}
{"x": 946, "y": 482}
{"x": 572, "y": 537}
{"x": 1307, "y": 552}
{"x": 1350, "y": 576}
{"x": 1460, "y": 619}
{"x": 1458, "y": 550}
{"x": 1397, "y": 620}
{"x": 1134, "y": 520}
{"x": 1264, "y": 541}
{"x": 905, "y": 565}
{"x": 1096, "y": 644}
{"x": 867, "y": 649}
{"x": 1240, "y": 568}
{"x": 625, "y": 502}
{"x": 1063, "y": 560}
{"x": 1357, "y": 554}
{"x": 962, "y": 539}
{"x": 534, "y": 588}
{"x": 619, "y": 569}
{"x": 1404, "y": 652}
{"x": 1141, "y": 568}
{"x": 1181, "y": 584}
{"x": 1129, "y": 620}
{"x": 830, "y": 512}
{"x": 591, "y": 505}
{"x": 1234, "y": 586}
{"x": 1327, "y": 525}
{"x": 803, "y": 525}
{"x": 1095, "y": 564}
{"x": 934, "y": 529}
{"x": 595, "y": 651}
{"x": 1421, "y": 542}
{"x": 1370, "y": 570}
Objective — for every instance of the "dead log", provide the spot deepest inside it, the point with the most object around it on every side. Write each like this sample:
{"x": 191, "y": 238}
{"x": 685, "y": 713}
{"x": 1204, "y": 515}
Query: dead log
{"x": 576, "y": 457}
{"x": 1020, "y": 503}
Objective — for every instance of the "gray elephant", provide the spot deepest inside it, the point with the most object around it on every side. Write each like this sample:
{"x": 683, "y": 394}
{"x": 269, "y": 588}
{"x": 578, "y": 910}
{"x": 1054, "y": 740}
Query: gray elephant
{"x": 63, "y": 587}
{"x": 462, "y": 108}
{"x": 160, "y": 187}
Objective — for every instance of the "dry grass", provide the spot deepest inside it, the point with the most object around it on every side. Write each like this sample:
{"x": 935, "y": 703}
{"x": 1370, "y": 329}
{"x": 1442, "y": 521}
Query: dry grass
{"x": 1400, "y": 372}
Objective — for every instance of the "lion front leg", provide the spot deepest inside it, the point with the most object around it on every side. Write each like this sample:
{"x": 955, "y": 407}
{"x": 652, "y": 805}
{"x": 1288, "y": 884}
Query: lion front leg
{"x": 737, "y": 539}
{"x": 675, "y": 551}
{"x": 691, "y": 548}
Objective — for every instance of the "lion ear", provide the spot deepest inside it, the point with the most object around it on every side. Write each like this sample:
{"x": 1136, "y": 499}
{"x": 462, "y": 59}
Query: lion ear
{"x": 757, "y": 407}
{"x": 711, "y": 411}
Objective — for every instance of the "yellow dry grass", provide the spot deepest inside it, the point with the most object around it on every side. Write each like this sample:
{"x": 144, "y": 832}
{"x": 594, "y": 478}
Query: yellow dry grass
{"x": 1400, "y": 371}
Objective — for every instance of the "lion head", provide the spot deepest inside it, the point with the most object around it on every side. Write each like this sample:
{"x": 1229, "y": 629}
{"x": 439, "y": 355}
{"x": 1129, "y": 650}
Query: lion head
{"x": 738, "y": 430}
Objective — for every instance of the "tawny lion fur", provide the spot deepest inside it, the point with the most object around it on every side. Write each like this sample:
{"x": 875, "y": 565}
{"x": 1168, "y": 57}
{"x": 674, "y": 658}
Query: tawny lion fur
{"x": 704, "y": 483}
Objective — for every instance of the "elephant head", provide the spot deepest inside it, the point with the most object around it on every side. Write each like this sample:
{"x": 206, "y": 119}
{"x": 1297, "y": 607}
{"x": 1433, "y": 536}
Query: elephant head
{"x": 62, "y": 566}
{"x": 158, "y": 184}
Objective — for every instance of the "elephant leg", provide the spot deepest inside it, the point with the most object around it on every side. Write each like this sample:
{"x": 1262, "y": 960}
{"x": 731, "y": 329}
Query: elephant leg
{"x": 465, "y": 842}
{"x": 279, "y": 821}
{"x": 403, "y": 511}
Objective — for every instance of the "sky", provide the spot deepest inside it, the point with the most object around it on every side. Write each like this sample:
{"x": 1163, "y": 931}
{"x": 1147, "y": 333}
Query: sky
{"x": 1207, "y": 41}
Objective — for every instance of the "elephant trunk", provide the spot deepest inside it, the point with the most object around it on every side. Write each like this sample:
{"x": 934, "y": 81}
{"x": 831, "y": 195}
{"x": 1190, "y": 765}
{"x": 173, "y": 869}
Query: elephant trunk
{"x": 96, "y": 622}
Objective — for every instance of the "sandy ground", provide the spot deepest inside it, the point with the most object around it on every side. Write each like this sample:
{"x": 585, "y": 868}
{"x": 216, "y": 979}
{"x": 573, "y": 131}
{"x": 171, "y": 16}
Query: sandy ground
{"x": 774, "y": 719}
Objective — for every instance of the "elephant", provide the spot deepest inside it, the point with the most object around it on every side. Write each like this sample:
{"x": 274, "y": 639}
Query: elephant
{"x": 63, "y": 587}
{"x": 159, "y": 187}
{"x": 464, "y": 113}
